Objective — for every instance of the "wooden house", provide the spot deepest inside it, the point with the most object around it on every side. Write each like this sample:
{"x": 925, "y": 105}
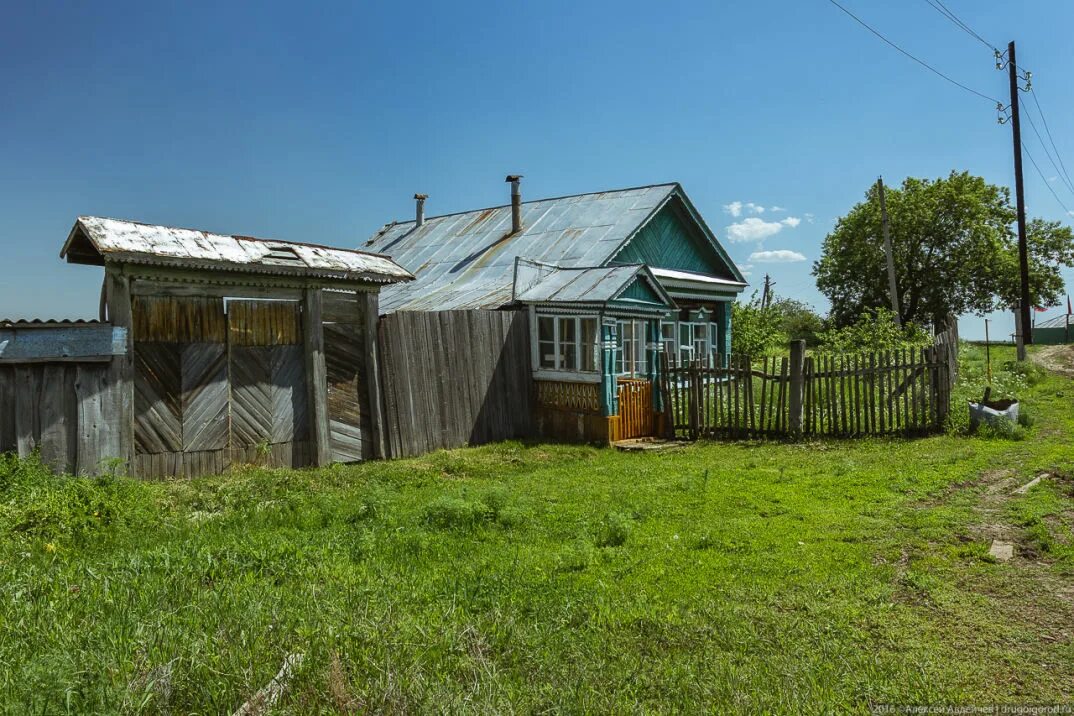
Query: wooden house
{"x": 608, "y": 280}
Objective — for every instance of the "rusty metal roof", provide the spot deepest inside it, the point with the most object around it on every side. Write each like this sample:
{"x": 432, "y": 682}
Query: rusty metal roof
{"x": 536, "y": 282}
{"x": 466, "y": 260}
{"x": 94, "y": 240}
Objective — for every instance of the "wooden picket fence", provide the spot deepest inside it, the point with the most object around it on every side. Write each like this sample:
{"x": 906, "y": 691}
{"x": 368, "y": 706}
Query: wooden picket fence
{"x": 903, "y": 392}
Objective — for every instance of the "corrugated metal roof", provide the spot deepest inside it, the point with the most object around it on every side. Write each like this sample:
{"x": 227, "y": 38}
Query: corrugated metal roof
{"x": 1056, "y": 322}
{"x": 46, "y": 322}
{"x": 466, "y": 260}
{"x": 163, "y": 245}
{"x": 536, "y": 282}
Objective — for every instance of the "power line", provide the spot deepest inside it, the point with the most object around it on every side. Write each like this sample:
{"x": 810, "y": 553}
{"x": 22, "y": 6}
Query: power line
{"x": 946, "y": 12}
{"x": 921, "y": 62}
{"x": 1046, "y": 182}
{"x": 1049, "y": 133}
{"x": 1060, "y": 174}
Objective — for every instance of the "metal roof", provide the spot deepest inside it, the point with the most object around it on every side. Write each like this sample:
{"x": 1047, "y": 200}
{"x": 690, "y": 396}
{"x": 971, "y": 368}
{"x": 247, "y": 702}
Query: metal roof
{"x": 543, "y": 283}
{"x": 466, "y": 260}
{"x": 47, "y": 322}
{"x": 94, "y": 239}
{"x": 1056, "y": 322}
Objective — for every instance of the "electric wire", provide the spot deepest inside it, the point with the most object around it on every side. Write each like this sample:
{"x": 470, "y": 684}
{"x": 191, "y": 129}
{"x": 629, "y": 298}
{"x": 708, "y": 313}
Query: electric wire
{"x": 946, "y": 12}
{"x": 919, "y": 61}
{"x": 1049, "y": 133}
{"x": 1059, "y": 173}
{"x": 1046, "y": 182}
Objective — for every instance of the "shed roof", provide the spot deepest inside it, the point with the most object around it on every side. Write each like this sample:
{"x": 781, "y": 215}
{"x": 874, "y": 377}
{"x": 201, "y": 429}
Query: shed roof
{"x": 1056, "y": 322}
{"x": 536, "y": 282}
{"x": 466, "y": 260}
{"x": 94, "y": 240}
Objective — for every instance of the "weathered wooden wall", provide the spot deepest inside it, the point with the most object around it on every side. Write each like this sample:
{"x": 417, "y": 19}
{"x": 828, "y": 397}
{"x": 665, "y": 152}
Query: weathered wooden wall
{"x": 455, "y": 378}
{"x": 65, "y": 410}
{"x": 216, "y": 386}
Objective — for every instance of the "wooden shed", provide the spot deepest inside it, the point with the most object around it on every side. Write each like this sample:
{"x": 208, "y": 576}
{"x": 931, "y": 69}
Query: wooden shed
{"x": 231, "y": 349}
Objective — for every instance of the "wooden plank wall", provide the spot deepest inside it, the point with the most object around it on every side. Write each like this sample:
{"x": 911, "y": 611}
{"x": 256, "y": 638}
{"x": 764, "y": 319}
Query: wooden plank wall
{"x": 67, "y": 411}
{"x": 349, "y": 418}
{"x": 455, "y": 378}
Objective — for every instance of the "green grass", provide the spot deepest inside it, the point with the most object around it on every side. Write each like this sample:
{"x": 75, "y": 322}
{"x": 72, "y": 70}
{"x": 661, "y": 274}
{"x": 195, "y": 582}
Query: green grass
{"x": 721, "y": 577}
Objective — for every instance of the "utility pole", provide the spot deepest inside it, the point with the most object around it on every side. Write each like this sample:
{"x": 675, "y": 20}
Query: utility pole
{"x": 766, "y": 297}
{"x": 892, "y": 288}
{"x": 1025, "y": 328}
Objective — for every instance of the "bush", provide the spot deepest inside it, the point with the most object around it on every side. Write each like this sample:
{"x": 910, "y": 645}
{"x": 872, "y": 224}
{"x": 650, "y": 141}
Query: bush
{"x": 455, "y": 513}
{"x": 1030, "y": 372}
{"x": 755, "y": 330}
{"x": 613, "y": 530}
{"x": 463, "y": 513}
{"x": 874, "y": 330}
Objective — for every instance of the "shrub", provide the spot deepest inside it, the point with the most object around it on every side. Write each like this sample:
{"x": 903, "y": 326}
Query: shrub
{"x": 874, "y": 330}
{"x": 455, "y": 513}
{"x": 464, "y": 513}
{"x": 613, "y": 530}
{"x": 1030, "y": 372}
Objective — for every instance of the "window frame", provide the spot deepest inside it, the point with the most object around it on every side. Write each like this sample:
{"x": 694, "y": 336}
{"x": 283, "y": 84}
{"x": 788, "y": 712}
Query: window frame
{"x": 558, "y": 371}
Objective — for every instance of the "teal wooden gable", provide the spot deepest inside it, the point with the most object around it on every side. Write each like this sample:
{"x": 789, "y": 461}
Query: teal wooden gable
{"x": 641, "y": 291}
{"x": 673, "y": 239}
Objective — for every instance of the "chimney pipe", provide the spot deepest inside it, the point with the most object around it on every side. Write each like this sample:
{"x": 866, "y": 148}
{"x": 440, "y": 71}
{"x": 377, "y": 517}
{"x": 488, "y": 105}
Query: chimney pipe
{"x": 419, "y": 209}
{"x": 516, "y": 202}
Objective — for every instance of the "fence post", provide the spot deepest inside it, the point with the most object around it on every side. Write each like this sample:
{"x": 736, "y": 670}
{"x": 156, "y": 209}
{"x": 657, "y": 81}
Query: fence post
{"x": 695, "y": 399}
{"x": 794, "y": 404}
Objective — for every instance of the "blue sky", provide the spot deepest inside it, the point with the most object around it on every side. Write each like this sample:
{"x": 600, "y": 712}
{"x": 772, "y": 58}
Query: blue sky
{"x": 319, "y": 124}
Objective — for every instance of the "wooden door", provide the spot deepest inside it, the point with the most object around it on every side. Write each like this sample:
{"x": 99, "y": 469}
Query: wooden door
{"x": 635, "y": 408}
{"x": 269, "y": 403}
{"x": 180, "y": 386}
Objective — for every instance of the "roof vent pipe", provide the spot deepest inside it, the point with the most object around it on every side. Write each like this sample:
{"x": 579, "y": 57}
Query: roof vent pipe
{"x": 419, "y": 209}
{"x": 516, "y": 202}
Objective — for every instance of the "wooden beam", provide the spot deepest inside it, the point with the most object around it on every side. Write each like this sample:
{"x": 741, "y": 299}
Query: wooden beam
{"x": 370, "y": 304}
{"x": 61, "y": 343}
{"x": 316, "y": 375}
{"x": 121, "y": 372}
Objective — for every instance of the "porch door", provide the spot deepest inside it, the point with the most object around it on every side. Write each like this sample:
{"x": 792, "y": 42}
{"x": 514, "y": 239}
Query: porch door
{"x": 635, "y": 408}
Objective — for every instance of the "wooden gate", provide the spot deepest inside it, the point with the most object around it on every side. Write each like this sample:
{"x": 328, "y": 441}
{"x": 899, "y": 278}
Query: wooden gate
{"x": 215, "y": 387}
{"x": 635, "y": 408}
{"x": 269, "y": 411}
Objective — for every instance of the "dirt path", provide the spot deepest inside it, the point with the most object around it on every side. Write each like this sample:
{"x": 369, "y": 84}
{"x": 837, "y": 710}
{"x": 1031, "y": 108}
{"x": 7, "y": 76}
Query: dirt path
{"x": 1058, "y": 359}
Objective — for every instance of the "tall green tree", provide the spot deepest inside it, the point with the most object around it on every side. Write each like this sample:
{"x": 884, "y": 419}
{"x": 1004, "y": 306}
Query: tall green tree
{"x": 955, "y": 252}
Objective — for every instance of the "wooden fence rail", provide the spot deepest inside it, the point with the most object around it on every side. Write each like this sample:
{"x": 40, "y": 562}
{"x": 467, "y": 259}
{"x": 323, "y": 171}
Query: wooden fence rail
{"x": 905, "y": 392}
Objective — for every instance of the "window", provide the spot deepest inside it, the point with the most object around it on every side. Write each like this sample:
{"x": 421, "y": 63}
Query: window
{"x": 546, "y": 342}
{"x": 590, "y": 352}
{"x": 667, "y": 338}
{"x": 631, "y": 343}
{"x": 567, "y": 343}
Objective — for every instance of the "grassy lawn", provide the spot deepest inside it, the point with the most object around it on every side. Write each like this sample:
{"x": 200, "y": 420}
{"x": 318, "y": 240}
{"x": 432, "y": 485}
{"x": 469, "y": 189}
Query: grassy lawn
{"x": 720, "y": 577}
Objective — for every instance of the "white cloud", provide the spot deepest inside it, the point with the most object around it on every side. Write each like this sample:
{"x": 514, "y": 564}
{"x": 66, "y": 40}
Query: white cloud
{"x": 777, "y": 208}
{"x": 781, "y": 256}
{"x": 809, "y": 218}
{"x": 754, "y": 229}
{"x": 735, "y": 208}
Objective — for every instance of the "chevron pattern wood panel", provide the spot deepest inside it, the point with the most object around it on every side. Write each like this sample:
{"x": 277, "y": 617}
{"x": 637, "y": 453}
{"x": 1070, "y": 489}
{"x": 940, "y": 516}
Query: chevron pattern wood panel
{"x": 251, "y": 396}
{"x": 157, "y": 387}
{"x": 343, "y": 353}
{"x": 290, "y": 414}
{"x": 205, "y": 397}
